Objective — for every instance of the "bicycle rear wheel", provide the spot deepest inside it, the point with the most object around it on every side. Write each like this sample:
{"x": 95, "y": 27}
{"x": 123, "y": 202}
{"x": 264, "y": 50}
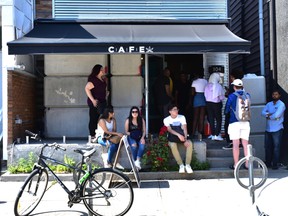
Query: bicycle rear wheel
{"x": 110, "y": 196}
{"x": 31, "y": 192}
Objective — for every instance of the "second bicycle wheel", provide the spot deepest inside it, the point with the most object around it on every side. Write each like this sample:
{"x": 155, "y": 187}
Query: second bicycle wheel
{"x": 83, "y": 169}
{"x": 111, "y": 196}
{"x": 31, "y": 192}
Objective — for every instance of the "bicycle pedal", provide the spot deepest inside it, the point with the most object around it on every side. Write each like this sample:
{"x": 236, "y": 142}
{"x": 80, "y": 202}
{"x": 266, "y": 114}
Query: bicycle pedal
{"x": 70, "y": 204}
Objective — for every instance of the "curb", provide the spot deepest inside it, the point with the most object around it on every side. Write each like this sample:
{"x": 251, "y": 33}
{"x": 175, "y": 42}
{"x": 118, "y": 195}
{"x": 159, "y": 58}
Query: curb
{"x": 196, "y": 175}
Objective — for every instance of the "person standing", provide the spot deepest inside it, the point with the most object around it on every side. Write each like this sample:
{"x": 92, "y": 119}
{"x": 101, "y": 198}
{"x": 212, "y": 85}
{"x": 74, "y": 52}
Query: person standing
{"x": 177, "y": 129}
{"x": 107, "y": 125}
{"x": 237, "y": 129}
{"x": 214, "y": 94}
{"x": 182, "y": 94}
{"x": 96, "y": 91}
{"x": 235, "y": 74}
{"x": 198, "y": 102}
{"x": 163, "y": 88}
{"x": 136, "y": 130}
{"x": 274, "y": 114}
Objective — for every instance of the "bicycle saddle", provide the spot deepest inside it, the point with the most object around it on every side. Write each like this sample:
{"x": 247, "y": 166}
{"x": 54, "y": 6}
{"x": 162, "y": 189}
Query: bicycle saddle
{"x": 86, "y": 152}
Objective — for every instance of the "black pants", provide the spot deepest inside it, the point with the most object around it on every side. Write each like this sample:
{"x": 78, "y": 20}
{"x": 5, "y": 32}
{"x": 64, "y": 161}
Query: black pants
{"x": 94, "y": 114}
{"x": 214, "y": 111}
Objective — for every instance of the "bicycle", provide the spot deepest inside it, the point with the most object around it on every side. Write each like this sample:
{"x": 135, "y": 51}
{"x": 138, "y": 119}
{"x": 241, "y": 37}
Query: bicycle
{"x": 104, "y": 191}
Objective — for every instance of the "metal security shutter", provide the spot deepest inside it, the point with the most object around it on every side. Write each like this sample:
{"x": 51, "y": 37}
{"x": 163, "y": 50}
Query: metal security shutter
{"x": 140, "y": 9}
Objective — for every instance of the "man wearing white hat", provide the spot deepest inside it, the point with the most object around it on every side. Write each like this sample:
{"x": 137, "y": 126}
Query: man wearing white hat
{"x": 239, "y": 125}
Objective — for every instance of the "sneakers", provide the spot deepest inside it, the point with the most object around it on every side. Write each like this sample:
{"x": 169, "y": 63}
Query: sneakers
{"x": 119, "y": 166}
{"x": 108, "y": 165}
{"x": 188, "y": 169}
{"x": 181, "y": 168}
{"x": 228, "y": 147}
{"x": 138, "y": 164}
{"x": 210, "y": 137}
{"x": 217, "y": 138}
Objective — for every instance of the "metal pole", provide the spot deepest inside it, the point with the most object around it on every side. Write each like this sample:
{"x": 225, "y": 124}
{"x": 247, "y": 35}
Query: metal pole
{"x": 147, "y": 93}
{"x": 261, "y": 38}
{"x": 251, "y": 173}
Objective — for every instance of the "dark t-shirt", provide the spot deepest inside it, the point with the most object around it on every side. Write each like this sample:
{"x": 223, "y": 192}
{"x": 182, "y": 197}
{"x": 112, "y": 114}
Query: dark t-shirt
{"x": 99, "y": 90}
{"x": 184, "y": 92}
{"x": 160, "y": 92}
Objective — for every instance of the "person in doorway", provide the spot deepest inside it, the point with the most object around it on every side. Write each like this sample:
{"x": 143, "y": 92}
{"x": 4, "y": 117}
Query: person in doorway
{"x": 177, "y": 126}
{"x": 214, "y": 95}
{"x": 237, "y": 129}
{"x": 163, "y": 88}
{"x": 198, "y": 102}
{"x": 274, "y": 114}
{"x": 96, "y": 91}
{"x": 182, "y": 88}
{"x": 107, "y": 126}
{"x": 135, "y": 129}
{"x": 235, "y": 74}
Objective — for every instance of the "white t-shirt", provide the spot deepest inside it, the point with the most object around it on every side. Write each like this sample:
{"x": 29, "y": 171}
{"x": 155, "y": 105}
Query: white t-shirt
{"x": 199, "y": 85}
{"x": 109, "y": 125}
{"x": 178, "y": 121}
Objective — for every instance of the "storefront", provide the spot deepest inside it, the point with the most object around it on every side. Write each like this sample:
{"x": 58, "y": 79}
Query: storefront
{"x": 210, "y": 43}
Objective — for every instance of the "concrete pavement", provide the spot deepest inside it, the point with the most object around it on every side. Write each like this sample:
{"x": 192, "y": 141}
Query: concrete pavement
{"x": 204, "y": 197}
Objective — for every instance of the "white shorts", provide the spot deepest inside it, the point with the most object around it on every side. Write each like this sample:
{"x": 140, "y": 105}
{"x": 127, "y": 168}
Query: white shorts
{"x": 239, "y": 130}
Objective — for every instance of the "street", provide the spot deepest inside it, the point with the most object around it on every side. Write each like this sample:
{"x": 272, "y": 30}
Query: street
{"x": 155, "y": 198}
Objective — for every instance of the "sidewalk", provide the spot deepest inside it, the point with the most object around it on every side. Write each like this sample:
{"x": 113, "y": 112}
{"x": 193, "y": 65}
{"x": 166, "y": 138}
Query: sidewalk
{"x": 206, "y": 197}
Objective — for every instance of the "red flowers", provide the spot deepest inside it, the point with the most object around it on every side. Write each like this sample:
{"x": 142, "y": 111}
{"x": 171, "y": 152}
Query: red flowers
{"x": 158, "y": 152}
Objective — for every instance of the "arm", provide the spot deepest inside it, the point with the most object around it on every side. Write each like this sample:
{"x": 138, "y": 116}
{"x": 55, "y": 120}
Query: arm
{"x": 127, "y": 127}
{"x": 88, "y": 88}
{"x": 279, "y": 113}
{"x": 143, "y": 131}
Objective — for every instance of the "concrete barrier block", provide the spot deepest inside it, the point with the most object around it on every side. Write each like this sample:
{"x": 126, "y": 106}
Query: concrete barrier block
{"x": 258, "y": 122}
{"x": 69, "y": 122}
{"x": 72, "y": 65}
{"x": 127, "y": 91}
{"x": 258, "y": 143}
{"x": 125, "y": 64}
{"x": 250, "y": 82}
{"x": 121, "y": 114}
{"x": 65, "y": 91}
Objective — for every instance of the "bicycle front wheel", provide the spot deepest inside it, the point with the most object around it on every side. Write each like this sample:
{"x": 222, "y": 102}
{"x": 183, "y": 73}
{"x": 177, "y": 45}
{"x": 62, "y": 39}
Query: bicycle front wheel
{"x": 31, "y": 192}
{"x": 110, "y": 196}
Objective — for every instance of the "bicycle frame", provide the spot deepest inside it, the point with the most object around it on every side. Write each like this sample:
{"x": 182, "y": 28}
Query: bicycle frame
{"x": 43, "y": 165}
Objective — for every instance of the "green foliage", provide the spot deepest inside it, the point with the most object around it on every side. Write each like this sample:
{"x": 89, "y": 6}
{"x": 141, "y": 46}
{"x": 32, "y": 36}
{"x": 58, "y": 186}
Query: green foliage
{"x": 26, "y": 166}
{"x": 23, "y": 165}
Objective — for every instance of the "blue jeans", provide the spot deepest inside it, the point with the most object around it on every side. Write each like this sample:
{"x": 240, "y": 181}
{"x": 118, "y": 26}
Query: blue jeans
{"x": 138, "y": 150}
{"x": 112, "y": 148}
{"x": 272, "y": 147}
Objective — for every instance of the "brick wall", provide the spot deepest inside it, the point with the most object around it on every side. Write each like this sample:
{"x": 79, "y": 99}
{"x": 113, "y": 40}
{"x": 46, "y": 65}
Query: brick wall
{"x": 21, "y": 102}
{"x": 43, "y": 9}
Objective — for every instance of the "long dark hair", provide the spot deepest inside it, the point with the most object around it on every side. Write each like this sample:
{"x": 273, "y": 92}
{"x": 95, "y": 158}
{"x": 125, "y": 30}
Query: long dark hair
{"x": 95, "y": 71}
{"x": 139, "y": 118}
{"x": 106, "y": 112}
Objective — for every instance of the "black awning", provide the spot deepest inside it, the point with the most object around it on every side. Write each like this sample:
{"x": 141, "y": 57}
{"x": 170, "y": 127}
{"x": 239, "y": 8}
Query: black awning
{"x": 77, "y": 37}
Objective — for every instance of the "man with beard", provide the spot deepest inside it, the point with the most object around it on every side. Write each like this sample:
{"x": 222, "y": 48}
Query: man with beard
{"x": 274, "y": 114}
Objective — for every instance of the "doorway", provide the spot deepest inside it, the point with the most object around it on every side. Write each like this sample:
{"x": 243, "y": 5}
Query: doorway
{"x": 177, "y": 63}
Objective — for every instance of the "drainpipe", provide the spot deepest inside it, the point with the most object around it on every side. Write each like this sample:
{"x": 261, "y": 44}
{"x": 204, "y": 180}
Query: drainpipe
{"x": 261, "y": 38}
{"x": 146, "y": 93}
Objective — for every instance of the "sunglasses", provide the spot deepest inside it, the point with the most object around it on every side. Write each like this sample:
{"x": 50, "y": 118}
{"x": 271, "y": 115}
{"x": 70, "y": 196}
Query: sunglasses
{"x": 135, "y": 111}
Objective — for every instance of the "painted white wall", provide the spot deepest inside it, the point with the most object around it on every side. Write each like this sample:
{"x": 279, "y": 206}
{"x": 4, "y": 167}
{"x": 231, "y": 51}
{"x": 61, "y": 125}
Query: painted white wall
{"x": 18, "y": 16}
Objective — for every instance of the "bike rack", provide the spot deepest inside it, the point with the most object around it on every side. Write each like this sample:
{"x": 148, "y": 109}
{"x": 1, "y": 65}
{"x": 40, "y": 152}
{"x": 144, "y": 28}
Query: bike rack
{"x": 251, "y": 187}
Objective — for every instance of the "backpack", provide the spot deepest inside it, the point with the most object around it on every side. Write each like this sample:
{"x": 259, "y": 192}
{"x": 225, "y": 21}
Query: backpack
{"x": 243, "y": 103}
